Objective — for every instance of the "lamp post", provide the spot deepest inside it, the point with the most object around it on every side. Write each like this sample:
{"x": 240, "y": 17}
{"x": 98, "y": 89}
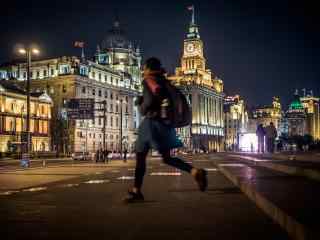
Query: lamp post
{"x": 120, "y": 139}
{"x": 27, "y": 52}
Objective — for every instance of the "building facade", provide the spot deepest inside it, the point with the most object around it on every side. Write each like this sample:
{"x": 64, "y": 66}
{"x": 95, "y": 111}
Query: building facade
{"x": 271, "y": 113}
{"x": 236, "y": 121}
{"x": 113, "y": 75}
{"x": 296, "y": 116}
{"x": 13, "y": 119}
{"x": 311, "y": 104}
{"x": 204, "y": 91}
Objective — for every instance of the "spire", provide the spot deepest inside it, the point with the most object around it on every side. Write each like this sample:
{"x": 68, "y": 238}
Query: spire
{"x": 193, "y": 28}
{"x": 191, "y": 8}
{"x": 116, "y": 22}
{"x": 83, "y": 57}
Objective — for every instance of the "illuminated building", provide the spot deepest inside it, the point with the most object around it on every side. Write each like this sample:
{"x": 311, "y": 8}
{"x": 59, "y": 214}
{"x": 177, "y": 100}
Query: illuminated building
{"x": 296, "y": 117}
{"x": 204, "y": 91}
{"x": 311, "y": 104}
{"x": 113, "y": 75}
{"x": 266, "y": 114}
{"x": 120, "y": 54}
{"x": 236, "y": 120}
{"x": 13, "y": 111}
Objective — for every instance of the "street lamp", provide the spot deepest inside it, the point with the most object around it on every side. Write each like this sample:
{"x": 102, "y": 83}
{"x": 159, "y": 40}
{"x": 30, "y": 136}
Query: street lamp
{"x": 120, "y": 140}
{"x": 27, "y": 52}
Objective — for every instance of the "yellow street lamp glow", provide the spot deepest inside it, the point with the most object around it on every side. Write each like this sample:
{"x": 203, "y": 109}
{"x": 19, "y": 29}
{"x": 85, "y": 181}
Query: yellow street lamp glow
{"x": 22, "y": 51}
{"x": 35, "y": 51}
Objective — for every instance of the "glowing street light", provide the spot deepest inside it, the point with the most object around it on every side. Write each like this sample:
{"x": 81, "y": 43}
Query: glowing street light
{"x": 27, "y": 52}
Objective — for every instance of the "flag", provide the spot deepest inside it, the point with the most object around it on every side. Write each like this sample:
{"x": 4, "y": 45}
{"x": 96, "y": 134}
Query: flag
{"x": 78, "y": 44}
{"x": 190, "y": 8}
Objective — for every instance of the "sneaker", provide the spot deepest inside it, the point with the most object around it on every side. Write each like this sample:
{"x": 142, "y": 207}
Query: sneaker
{"x": 134, "y": 197}
{"x": 201, "y": 179}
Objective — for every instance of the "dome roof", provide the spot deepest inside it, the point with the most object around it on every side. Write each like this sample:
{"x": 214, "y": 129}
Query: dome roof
{"x": 116, "y": 37}
{"x": 296, "y": 103}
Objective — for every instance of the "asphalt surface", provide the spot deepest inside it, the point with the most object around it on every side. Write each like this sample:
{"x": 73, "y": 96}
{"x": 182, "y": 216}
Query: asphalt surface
{"x": 91, "y": 207}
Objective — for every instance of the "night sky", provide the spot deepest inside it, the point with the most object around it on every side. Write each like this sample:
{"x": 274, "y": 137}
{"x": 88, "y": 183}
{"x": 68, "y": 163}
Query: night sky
{"x": 259, "y": 48}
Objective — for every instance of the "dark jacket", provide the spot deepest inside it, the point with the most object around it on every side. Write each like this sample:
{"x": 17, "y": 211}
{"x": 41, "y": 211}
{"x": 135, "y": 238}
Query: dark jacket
{"x": 260, "y": 131}
{"x": 149, "y": 103}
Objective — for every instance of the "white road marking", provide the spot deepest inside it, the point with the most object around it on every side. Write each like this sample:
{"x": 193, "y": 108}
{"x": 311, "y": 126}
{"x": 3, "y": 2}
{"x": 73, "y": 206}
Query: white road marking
{"x": 97, "y": 181}
{"x": 36, "y": 189}
{"x": 8, "y": 192}
{"x": 125, "y": 178}
{"x": 165, "y": 174}
{"x": 231, "y": 165}
{"x": 211, "y": 169}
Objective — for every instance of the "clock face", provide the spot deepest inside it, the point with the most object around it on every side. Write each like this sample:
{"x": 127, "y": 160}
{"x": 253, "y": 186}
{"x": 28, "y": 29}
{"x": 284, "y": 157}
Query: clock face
{"x": 190, "y": 47}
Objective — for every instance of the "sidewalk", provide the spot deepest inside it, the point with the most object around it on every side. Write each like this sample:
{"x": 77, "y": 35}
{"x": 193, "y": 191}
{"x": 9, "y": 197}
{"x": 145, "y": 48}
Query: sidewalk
{"x": 309, "y": 169}
{"x": 292, "y": 201}
{"x": 299, "y": 156}
{"x": 31, "y": 177}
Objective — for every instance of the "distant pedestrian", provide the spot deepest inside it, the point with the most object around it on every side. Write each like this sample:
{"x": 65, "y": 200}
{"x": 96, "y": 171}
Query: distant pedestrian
{"x": 155, "y": 131}
{"x": 261, "y": 135}
{"x": 125, "y": 152}
{"x": 97, "y": 157}
{"x": 271, "y": 134}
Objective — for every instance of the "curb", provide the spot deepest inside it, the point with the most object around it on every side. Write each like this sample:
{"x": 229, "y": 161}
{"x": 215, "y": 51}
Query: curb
{"x": 295, "y": 229}
{"x": 292, "y": 170}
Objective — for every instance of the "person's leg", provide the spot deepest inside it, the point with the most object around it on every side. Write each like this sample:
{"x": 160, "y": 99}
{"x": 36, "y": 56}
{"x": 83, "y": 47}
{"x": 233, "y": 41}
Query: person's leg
{"x": 200, "y": 175}
{"x": 175, "y": 162}
{"x": 272, "y": 145}
{"x": 140, "y": 169}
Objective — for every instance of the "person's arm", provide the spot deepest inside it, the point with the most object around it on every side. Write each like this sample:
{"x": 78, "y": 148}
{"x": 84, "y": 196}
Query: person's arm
{"x": 147, "y": 100}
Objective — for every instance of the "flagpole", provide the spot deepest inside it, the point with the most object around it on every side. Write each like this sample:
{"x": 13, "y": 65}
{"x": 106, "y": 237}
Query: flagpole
{"x": 192, "y": 21}
{"x": 82, "y": 53}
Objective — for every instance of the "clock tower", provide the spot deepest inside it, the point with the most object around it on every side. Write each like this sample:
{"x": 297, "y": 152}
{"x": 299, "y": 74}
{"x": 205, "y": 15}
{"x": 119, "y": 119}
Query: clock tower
{"x": 193, "y": 63}
{"x": 204, "y": 92}
{"x": 192, "y": 57}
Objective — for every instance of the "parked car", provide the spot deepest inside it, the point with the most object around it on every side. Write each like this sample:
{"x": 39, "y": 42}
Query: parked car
{"x": 81, "y": 156}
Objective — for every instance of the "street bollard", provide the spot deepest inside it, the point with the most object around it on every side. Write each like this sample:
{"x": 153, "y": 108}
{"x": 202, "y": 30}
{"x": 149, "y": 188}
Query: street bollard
{"x": 43, "y": 163}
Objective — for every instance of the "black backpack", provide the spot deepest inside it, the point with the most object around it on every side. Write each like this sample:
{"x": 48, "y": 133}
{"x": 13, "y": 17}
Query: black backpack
{"x": 180, "y": 112}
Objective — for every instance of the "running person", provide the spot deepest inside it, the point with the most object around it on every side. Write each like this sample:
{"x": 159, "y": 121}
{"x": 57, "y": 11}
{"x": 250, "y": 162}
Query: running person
{"x": 154, "y": 133}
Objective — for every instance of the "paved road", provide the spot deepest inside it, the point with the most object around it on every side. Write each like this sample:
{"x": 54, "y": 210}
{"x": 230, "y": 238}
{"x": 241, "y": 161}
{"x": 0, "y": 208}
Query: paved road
{"x": 90, "y": 207}
{"x": 14, "y": 164}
